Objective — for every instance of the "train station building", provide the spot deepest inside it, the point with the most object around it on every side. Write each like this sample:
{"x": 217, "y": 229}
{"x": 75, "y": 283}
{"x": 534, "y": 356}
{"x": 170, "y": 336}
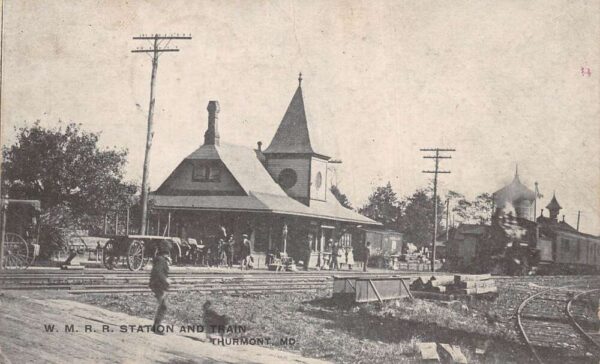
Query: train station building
{"x": 279, "y": 196}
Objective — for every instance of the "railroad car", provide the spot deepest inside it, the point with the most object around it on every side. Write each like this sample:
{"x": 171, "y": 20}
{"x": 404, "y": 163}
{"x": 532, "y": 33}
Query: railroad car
{"x": 563, "y": 249}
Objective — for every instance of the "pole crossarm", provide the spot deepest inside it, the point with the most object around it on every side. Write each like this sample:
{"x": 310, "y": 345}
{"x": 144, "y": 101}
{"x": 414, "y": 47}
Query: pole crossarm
{"x": 436, "y": 172}
{"x": 162, "y": 37}
{"x": 153, "y": 50}
{"x": 437, "y": 157}
{"x": 437, "y": 150}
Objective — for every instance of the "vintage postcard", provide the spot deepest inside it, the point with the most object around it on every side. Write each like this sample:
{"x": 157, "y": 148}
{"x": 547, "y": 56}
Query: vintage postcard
{"x": 276, "y": 181}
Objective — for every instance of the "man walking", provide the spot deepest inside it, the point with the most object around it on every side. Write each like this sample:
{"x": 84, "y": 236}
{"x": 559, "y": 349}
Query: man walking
{"x": 159, "y": 282}
{"x": 367, "y": 255}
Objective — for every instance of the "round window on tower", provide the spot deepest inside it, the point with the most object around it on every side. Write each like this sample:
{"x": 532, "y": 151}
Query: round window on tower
{"x": 287, "y": 178}
{"x": 319, "y": 180}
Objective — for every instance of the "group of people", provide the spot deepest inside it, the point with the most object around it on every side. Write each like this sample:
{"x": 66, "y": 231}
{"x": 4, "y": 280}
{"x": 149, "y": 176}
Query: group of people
{"x": 225, "y": 251}
{"x": 341, "y": 255}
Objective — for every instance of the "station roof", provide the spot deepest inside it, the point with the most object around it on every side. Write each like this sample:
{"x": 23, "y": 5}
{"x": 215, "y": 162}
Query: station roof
{"x": 263, "y": 194}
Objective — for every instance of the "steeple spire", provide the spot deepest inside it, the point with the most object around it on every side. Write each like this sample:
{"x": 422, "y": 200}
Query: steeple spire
{"x": 554, "y": 207}
{"x": 517, "y": 171}
{"x": 294, "y": 134}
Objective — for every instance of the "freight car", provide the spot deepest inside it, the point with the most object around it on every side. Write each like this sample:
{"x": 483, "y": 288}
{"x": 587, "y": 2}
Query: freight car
{"x": 565, "y": 250}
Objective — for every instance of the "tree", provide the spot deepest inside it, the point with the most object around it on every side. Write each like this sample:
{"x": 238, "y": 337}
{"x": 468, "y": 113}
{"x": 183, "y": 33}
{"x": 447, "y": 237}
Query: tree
{"x": 416, "y": 222}
{"x": 65, "y": 167}
{"x": 341, "y": 197}
{"x": 483, "y": 208}
{"x": 383, "y": 206}
{"x": 478, "y": 211}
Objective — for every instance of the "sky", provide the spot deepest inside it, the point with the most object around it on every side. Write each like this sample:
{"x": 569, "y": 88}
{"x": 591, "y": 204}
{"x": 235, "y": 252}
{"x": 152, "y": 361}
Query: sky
{"x": 499, "y": 81}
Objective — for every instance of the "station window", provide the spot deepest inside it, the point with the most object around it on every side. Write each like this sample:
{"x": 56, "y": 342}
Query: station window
{"x": 206, "y": 173}
{"x": 346, "y": 239}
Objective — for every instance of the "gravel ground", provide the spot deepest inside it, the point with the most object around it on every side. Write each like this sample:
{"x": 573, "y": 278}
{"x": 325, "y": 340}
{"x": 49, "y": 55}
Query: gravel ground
{"x": 366, "y": 334}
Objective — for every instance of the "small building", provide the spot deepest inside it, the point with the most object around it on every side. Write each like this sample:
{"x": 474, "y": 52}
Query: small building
{"x": 465, "y": 243}
{"x": 383, "y": 241}
{"x": 280, "y": 197}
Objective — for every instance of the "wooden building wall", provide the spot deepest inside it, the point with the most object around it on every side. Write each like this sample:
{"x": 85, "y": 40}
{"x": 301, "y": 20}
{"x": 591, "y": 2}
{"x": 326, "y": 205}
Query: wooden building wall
{"x": 185, "y": 180}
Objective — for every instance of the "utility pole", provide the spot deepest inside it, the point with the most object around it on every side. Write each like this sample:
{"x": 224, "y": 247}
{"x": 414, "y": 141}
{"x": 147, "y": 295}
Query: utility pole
{"x": 158, "y": 45}
{"x": 447, "y": 219}
{"x": 435, "y": 172}
{"x": 578, "y": 216}
{"x": 3, "y": 211}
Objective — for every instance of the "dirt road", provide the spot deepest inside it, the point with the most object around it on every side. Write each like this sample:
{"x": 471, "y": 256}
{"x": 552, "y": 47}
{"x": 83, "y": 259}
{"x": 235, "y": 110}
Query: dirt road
{"x": 27, "y": 336}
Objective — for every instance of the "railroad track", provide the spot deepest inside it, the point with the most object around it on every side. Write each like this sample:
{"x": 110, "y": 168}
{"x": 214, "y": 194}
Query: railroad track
{"x": 84, "y": 282}
{"x": 552, "y": 330}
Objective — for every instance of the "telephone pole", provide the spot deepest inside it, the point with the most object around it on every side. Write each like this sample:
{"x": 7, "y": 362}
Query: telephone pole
{"x": 159, "y": 44}
{"x": 435, "y": 172}
{"x": 578, "y": 217}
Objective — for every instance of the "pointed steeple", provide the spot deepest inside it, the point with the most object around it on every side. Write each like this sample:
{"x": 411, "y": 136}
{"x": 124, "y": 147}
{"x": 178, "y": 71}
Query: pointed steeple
{"x": 293, "y": 134}
{"x": 517, "y": 171}
{"x": 554, "y": 207}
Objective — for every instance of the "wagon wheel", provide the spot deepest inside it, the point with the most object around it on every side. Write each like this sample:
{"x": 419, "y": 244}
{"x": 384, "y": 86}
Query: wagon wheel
{"x": 16, "y": 252}
{"x": 135, "y": 255}
{"x": 109, "y": 255}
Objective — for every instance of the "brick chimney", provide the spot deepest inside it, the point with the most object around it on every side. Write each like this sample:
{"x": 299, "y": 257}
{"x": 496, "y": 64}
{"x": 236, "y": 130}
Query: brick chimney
{"x": 211, "y": 137}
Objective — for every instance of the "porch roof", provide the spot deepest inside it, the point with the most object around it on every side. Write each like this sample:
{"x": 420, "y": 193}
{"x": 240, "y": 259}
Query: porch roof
{"x": 261, "y": 202}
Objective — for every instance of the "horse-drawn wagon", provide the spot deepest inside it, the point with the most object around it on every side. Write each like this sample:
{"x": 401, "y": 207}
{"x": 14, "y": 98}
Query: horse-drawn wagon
{"x": 20, "y": 233}
{"x": 134, "y": 251}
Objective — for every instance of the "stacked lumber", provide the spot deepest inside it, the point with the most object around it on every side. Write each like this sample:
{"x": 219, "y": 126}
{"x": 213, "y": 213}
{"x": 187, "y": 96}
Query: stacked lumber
{"x": 459, "y": 284}
{"x": 474, "y": 284}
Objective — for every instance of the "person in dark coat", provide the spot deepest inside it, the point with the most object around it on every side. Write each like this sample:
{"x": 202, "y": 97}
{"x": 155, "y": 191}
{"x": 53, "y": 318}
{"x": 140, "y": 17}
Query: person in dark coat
{"x": 307, "y": 251}
{"x": 159, "y": 282}
{"x": 335, "y": 250}
{"x": 367, "y": 255}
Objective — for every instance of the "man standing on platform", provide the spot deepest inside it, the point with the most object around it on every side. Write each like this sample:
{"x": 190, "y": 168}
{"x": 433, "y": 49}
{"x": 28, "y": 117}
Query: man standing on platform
{"x": 307, "y": 251}
{"x": 367, "y": 255}
{"x": 229, "y": 249}
{"x": 335, "y": 250}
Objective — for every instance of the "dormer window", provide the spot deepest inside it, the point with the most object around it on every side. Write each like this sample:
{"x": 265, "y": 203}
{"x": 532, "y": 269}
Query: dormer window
{"x": 206, "y": 173}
